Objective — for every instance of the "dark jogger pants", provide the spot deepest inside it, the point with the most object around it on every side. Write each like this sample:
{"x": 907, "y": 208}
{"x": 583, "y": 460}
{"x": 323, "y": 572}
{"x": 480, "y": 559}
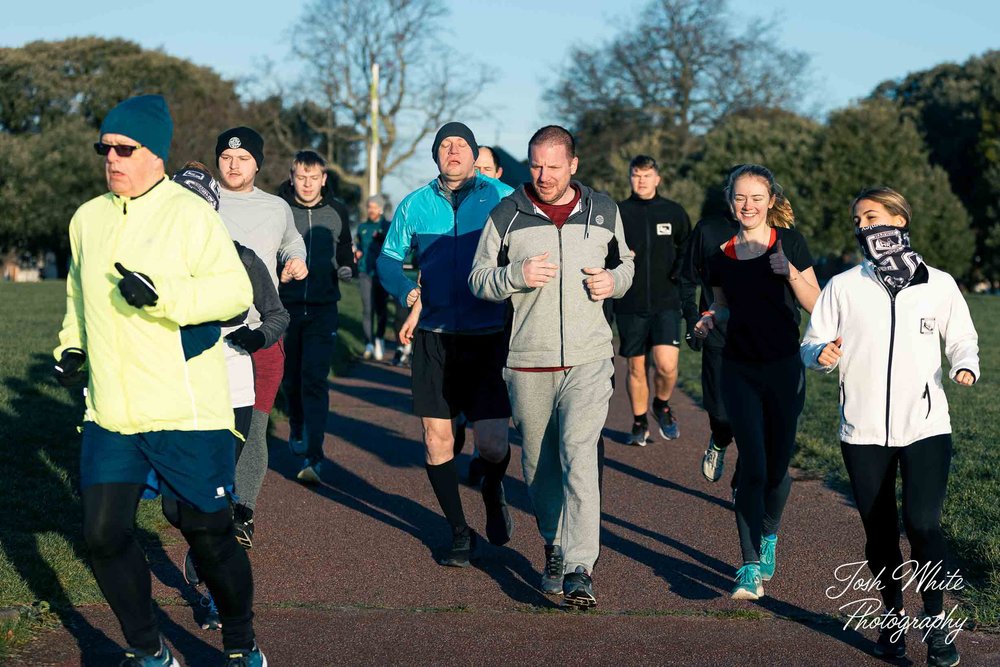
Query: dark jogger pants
{"x": 309, "y": 345}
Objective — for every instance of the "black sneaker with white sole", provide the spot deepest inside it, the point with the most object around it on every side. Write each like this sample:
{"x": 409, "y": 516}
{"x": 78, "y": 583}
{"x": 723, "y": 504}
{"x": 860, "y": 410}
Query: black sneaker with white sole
{"x": 578, "y": 589}
{"x": 640, "y": 434}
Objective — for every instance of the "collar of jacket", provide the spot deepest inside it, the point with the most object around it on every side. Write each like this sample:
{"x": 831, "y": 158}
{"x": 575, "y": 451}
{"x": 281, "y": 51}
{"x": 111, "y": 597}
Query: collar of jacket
{"x": 636, "y": 199}
{"x": 150, "y": 195}
{"x": 524, "y": 204}
{"x": 474, "y": 183}
{"x": 919, "y": 278}
{"x": 287, "y": 192}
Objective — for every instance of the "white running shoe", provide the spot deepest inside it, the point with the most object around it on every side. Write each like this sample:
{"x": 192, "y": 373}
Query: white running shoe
{"x": 379, "y": 349}
{"x": 369, "y": 351}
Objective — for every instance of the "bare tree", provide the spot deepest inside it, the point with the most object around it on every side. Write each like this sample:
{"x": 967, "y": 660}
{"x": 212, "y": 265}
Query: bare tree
{"x": 424, "y": 82}
{"x": 676, "y": 71}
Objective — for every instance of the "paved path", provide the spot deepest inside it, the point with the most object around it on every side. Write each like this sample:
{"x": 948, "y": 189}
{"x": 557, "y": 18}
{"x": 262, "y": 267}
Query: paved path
{"x": 345, "y": 575}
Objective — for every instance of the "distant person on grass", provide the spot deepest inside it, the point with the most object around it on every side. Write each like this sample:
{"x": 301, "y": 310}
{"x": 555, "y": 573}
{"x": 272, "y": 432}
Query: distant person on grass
{"x": 148, "y": 258}
{"x": 459, "y": 346}
{"x": 556, "y": 249}
{"x": 882, "y": 324}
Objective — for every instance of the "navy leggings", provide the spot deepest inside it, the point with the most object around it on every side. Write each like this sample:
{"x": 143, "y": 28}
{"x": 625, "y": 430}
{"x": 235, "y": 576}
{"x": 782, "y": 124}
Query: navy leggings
{"x": 763, "y": 401}
{"x": 924, "y": 468}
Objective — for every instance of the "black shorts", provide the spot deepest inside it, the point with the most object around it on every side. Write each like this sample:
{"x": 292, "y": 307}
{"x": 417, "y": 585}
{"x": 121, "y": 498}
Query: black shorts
{"x": 459, "y": 373}
{"x": 639, "y": 332}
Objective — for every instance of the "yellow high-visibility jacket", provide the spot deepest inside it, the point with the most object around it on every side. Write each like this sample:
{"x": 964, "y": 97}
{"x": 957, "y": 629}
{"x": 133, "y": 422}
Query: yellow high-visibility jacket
{"x": 139, "y": 379}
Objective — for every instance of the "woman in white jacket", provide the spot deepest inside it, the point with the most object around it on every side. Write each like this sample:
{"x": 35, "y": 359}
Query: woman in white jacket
{"x": 881, "y": 324}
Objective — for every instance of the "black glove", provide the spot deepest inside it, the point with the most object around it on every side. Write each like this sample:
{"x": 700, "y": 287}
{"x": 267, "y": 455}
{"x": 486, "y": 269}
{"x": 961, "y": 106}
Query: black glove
{"x": 694, "y": 342}
{"x": 69, "y": 371}
{"x": 137, "y": 288}
{"x": 249, "y": 339}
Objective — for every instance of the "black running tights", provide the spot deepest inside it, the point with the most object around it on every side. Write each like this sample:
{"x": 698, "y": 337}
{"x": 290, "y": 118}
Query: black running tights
{"x": 122, "y": 572}
{"x": 763, "y": 401}
{"x": 924, "y": 468}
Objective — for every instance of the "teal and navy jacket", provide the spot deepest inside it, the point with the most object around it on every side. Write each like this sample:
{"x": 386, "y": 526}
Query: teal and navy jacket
{"x": 446, "y": 239}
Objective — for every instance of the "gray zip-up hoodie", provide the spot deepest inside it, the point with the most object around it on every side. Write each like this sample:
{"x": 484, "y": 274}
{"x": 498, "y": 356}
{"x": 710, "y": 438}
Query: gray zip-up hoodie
{"x": 557, "y": 324}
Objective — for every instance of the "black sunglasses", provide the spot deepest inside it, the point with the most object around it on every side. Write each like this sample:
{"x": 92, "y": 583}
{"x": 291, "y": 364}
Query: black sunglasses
{"x": 121, "y": 149}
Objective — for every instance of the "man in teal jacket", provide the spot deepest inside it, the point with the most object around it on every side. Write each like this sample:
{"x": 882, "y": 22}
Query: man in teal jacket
{"x": 459, "y": 348}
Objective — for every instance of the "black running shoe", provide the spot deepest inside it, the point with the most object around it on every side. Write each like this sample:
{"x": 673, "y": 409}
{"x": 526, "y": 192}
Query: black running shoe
{"x": 891, "y": 643}
{"x": 499, "y": 522}
{"x": 552, "y": 575}
{"x": 464, "y": 550}
{"x": 940, "y": 651}
{"x": 243, "y": 523}
{"x": 578, "y": 589}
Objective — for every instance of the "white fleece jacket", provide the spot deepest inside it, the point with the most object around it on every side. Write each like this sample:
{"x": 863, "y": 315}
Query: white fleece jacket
{"x": 890, "y": 369}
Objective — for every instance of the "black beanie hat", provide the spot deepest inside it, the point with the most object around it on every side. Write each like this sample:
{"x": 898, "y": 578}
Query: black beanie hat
{"x": 241, "y": 137}
{"x": 455, "y": 129}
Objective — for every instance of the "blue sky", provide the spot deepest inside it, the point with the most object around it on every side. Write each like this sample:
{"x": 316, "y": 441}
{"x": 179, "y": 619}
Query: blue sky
{"x": 854, "y": 44}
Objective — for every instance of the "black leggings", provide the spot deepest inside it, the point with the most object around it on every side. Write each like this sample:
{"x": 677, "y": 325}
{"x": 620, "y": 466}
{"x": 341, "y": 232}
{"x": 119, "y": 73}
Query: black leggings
{"x": 763, "y": 401}
{"x": 711, "y": 395}
{"x": 122, "y": 572}
{"x": 924, "y": 468}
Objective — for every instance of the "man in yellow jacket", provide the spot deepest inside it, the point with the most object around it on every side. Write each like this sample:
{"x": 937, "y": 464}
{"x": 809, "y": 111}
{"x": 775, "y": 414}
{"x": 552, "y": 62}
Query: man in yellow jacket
{"x": 148, "y": 258}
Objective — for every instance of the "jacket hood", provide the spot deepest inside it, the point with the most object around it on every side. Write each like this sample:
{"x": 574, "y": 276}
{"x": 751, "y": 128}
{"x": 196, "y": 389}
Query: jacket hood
{"x": 287, "y": 192}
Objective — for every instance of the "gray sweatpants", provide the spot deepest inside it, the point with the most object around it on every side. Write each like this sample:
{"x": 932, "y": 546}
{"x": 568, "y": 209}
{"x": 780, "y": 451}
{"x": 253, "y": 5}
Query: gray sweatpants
{"x": 560, "y": 416}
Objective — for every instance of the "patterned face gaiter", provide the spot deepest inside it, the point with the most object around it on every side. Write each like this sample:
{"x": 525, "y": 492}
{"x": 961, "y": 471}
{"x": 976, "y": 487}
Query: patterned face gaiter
{"x": 888, "y": 248}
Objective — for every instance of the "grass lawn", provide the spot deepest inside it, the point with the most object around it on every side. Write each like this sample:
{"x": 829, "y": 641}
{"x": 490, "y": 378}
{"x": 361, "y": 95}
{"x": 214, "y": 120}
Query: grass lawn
{"x": 42, "y": 558}
{"x": 972, "y": 511}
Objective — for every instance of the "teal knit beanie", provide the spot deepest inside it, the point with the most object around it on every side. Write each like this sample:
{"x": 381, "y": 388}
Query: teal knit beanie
{"x": 144, "y": 118}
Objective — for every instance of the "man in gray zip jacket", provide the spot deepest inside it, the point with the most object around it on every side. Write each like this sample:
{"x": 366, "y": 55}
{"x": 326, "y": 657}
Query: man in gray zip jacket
{"x": 556, "y": 249}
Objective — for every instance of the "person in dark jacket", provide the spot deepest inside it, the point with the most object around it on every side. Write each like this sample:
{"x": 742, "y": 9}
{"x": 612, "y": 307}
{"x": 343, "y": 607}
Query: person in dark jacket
{"x": 649, "y": 315}
{"x": 368, "y": 244}
{"x": 312, "y": 303}
{"x": 712, "y": 231}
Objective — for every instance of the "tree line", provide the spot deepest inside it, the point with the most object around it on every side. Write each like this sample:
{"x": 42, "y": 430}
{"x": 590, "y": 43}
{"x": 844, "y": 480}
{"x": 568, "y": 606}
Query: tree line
{"x": 679, "y": 82}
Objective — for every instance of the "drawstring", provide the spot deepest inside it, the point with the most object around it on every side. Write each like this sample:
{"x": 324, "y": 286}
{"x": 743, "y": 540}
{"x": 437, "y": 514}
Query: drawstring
{"x": 590, "y": 210}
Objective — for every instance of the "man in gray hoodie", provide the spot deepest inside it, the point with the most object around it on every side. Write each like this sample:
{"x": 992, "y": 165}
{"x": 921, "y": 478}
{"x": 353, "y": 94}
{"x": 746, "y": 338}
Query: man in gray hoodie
{"x": 556, "y": 249}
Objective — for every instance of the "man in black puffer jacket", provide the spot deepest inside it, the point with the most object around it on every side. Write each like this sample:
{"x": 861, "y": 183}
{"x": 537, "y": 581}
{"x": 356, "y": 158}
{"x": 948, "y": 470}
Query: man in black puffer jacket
{"x": 312, "y": 303}
{"x": 649, "y": 315}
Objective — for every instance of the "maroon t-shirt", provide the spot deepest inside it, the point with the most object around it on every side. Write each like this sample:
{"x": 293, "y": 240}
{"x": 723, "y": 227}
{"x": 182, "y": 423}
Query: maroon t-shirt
{"x": 557, "y": 213}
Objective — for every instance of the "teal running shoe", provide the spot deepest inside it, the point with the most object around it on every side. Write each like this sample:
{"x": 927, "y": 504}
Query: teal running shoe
{"x": 246, "y": 658}
{"x": 767, "y": 564}
{"x": 162, "y": 658}
{"x": 748, "y": 583}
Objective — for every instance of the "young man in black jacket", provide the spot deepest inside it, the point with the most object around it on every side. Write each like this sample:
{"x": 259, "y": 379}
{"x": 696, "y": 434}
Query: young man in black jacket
{"x": 312, "y": 303}
{"x": 649, "y": 315}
